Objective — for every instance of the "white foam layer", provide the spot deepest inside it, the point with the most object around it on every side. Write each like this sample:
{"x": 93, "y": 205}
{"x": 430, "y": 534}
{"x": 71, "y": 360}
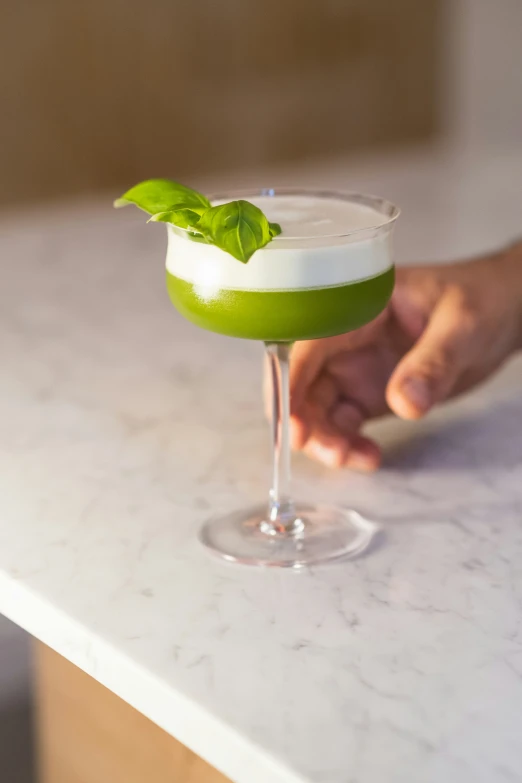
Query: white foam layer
{"x": 312, "y": 251}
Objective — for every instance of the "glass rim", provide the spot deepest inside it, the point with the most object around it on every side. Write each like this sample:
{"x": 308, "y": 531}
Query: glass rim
{"x": 383, "y": 206}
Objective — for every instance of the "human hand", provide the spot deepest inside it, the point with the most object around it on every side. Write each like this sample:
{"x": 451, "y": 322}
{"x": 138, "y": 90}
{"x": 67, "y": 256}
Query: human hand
{"x": 447, "y": 328}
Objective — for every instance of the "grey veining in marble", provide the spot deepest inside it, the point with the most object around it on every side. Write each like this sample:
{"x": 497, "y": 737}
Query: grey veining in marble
{"x": 122, "y": 428}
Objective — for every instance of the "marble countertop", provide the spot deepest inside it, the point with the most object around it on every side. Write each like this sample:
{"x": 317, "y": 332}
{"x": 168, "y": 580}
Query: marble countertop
{"x": 122, "y": 428}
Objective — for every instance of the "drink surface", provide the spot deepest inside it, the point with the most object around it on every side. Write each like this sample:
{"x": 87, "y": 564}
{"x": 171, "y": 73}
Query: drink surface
{"x": 329, "y": 272}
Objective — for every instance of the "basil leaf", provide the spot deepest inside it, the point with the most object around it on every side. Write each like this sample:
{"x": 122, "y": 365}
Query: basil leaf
{"x": 183, "y": 218}
{"x": 161, "y": 195}
{"x": 238, "y": 228}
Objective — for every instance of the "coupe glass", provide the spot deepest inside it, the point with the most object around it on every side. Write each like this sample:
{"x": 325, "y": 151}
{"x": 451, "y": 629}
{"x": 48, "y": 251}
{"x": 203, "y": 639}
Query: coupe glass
{"x": 300, "y": 287}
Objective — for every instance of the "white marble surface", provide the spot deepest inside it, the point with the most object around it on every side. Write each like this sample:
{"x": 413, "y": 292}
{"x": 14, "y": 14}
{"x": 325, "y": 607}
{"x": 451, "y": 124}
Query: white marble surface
{"x": 122, "y": 428}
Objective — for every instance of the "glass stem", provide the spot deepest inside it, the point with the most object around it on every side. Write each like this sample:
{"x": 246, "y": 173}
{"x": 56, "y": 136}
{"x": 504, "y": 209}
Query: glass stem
{"x": 281, "y": 512}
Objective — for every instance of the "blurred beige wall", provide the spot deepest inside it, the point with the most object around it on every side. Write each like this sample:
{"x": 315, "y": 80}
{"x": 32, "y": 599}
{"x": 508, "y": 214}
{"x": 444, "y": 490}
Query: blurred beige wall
{"x": 483, "y": 73}
{"x": 102, "y": 93}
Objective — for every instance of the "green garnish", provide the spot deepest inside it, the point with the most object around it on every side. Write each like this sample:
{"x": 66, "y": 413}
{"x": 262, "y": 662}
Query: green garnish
{"x": 238, "y": 227}
{"x": 161, "y": 195}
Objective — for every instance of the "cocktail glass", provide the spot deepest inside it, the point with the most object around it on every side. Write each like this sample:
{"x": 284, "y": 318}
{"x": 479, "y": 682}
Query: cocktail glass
{"x": 319, "y": 278}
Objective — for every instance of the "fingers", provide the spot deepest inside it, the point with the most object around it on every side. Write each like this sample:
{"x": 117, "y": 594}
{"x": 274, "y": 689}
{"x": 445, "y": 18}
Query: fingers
{"x": 325, "y": 441}
{"x": 335, "y": 451}
{"x": 327, "y": 446}
{"x": 365, "y": 456}
{"x": 306, "y": 362}
{"x": 346, "y": 417}
{"x": 428, "y": 373}
{"x": 299, "y": 432}
{"x": 323, "y": 423}
{"x": 332, "y": 430}
{"x": 309, "y": 357}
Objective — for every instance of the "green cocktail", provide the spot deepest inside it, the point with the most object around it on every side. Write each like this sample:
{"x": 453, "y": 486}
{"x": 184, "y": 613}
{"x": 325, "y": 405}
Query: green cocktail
{"x": 299, "y": 287}
{"x": 283, "y": 316}
{"x": 276, "y": 266}
{"x": 330, "y": 271}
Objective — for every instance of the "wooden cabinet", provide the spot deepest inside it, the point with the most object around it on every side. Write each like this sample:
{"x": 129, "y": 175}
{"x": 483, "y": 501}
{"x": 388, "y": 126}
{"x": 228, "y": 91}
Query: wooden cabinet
{"x": 86, "y": 734}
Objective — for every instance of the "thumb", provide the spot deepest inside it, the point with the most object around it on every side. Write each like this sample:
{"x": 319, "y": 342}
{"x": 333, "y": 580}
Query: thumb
{"x": 428, "y": 373}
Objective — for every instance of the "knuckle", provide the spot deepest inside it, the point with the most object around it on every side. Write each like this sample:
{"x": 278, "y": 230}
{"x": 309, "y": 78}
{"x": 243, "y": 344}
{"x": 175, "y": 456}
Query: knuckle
{"x": 437, "y": 366}
{"x": 467, "y": 312}
{"x": 463, "y": 300}
{"x": 469, "y": 320}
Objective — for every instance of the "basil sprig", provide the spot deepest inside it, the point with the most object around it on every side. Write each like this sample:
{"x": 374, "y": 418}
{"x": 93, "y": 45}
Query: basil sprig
{"x": 238, "y": 227}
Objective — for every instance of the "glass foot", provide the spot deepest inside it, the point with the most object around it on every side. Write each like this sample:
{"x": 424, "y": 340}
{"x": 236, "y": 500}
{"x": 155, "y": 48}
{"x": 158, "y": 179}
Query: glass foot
{"x": 319, "y": 534}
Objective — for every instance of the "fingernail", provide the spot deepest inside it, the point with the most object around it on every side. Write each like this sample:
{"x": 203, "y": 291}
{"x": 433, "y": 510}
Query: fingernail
{"x": 417, "y": 392}
{"x": 361, "y": 462}
{"x": 328, "y": 455}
